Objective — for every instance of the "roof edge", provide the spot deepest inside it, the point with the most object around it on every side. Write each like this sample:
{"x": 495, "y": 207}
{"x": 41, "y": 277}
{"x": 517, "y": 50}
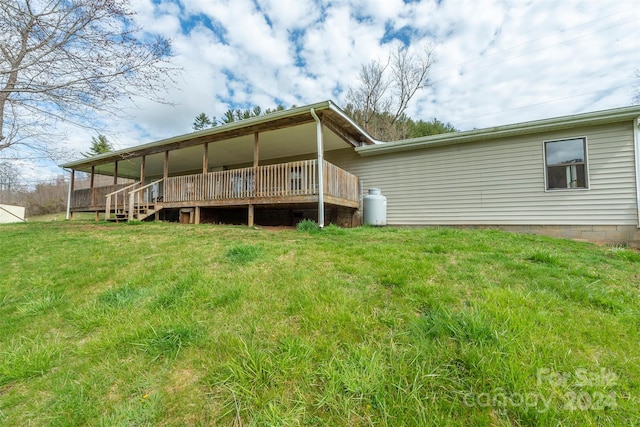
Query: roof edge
{"x": 227, "y": 127}
{"x": 536, "y": 126}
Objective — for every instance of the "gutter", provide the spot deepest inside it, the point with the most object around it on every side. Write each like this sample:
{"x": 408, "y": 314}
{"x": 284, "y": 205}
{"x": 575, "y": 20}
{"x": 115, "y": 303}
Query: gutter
{"x": 349, "y": 120}
{"x": 320, "y": 168}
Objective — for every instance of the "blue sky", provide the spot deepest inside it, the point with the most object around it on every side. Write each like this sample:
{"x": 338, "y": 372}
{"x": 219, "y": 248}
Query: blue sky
{"x": 499, "y": 61}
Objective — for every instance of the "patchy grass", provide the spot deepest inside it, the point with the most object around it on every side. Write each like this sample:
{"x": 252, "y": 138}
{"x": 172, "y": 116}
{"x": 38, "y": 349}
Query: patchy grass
{"x": 165, "y": 324}
{"x": 62, "y": 216}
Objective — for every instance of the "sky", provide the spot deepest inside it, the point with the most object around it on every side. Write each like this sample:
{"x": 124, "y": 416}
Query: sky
{"x": 498, "y": 61}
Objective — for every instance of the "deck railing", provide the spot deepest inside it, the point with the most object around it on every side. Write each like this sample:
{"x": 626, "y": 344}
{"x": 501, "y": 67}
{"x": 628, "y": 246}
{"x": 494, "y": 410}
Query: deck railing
{"x": 142, "y": 199}
{"x": 120, "y": 195}
{"x": 271, "y": 181}
{"x": 93, "y": 197}
{"x": 283, "y": 180}
{"x": 339, "y": 183}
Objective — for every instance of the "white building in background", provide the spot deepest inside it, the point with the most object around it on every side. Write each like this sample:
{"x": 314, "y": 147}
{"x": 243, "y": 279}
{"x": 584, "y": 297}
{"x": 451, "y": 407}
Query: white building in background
{"x": 11, "y": 213}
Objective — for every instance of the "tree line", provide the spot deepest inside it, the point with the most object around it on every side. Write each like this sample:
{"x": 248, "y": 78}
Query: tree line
{"x": 377, "y": 101}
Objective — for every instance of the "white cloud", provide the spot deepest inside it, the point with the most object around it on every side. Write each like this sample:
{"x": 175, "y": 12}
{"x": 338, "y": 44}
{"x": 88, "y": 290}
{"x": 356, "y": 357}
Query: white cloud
{"x": 499, "y": 61}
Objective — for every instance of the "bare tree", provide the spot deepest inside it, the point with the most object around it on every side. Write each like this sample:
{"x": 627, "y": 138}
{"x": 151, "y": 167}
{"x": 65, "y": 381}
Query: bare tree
{"x": 68, "y": 59}
{"x": 8, "y": 180}
{"x": 379, "y": 101}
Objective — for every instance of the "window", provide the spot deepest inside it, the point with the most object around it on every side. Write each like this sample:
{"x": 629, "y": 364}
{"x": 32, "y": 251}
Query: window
{"x": 566, "y": 163}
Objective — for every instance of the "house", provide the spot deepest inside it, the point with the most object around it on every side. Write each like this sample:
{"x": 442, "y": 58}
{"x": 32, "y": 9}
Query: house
{"x": 574, "y": 176}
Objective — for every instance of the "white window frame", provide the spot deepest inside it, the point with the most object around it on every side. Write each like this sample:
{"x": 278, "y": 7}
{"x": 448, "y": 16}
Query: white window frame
{"x": 587, "y": 181}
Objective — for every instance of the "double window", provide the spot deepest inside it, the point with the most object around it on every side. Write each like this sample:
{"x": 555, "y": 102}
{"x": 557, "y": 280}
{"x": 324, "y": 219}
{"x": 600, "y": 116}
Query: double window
{"x": 566, "y": 164}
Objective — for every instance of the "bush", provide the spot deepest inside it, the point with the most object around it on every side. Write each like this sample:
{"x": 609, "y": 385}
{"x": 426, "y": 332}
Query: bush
{"x": 308, "y": 225}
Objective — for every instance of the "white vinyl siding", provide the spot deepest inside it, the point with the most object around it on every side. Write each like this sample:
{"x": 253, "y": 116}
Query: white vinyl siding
{"x": 502, "y": 181}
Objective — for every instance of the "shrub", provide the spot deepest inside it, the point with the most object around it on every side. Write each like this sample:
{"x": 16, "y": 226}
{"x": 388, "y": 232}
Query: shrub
{"x": 308, "y": 225}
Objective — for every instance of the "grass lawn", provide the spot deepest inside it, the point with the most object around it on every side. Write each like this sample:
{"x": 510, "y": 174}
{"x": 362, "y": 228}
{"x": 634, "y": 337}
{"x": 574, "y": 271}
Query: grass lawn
{"x": 166, "y": 324}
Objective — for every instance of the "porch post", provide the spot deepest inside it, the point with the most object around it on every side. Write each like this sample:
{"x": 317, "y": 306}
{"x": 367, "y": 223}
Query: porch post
{"x": 93, "y": 193}
{"x": 256, "y": 161}
{"x": 115, "y": 173}
{"x": 205, "y": 158}
{"x": 71, "y": 183}
{"x": 165, "y": 172}
{"x": 143, "y": 162}
{"x": 320, "y": 143}
{"x": 205, "y": 169}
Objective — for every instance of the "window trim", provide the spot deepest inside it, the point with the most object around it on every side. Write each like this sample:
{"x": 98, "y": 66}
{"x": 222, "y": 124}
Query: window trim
{"x": 587, "y": 181}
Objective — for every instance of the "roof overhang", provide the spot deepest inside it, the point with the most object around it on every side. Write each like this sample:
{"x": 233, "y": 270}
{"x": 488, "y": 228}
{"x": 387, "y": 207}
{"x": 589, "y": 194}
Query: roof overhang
{"x": 538, "y": 126}
{"x": 284, "y": 133}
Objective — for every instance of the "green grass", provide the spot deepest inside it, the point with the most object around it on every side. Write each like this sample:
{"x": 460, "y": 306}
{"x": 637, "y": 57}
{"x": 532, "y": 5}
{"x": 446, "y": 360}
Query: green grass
{"x": 166, "y": 324}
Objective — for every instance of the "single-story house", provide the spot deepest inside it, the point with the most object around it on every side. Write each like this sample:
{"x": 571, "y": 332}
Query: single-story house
{"x": 575, "y": 176}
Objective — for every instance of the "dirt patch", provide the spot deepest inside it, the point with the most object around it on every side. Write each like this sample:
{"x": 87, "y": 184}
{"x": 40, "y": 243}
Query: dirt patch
{"x": 276, "y": 228}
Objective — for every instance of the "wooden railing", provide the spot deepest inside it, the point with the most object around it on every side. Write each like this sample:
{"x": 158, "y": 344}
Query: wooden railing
{"x": 142, "y": 199}
{"x": 121, "y": 195}
{"x": 281, "y": 180}
{"x": 272, "y": 181}
{"x": 93, "y": 197}
{"x": 340, "y": 183}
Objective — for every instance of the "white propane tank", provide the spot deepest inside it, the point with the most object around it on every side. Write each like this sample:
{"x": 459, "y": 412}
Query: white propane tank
{"x": 375, "y": 208}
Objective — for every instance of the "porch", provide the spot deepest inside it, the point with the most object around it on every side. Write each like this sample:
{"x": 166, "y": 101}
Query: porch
{"x": 275, "y": 161}
{"x": 284, "y": 184}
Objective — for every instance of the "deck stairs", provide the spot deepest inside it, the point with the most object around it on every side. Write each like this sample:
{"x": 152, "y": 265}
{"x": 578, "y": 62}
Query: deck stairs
{"x": 134, "y": 202}
{"x": 139, "y": 214}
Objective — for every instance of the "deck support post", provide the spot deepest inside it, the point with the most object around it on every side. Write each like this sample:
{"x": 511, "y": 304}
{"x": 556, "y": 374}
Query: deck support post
{"x": 197, "y": 215}
{"x": 251, "y": 217}
{"x": 320, "y": 142}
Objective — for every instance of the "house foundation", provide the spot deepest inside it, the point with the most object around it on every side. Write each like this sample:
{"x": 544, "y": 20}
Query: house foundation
{"x": 628, "y": 235}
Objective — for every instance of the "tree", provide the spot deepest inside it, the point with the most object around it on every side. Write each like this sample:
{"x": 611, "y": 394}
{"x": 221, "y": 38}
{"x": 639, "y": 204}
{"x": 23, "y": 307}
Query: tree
{"x": 379, "y": 101}
{"x": 202, "y": 121}
{"x": 99, "y": 145}
{"x": 8, "y": 180}
{"x": 68, "y": 59}
{"x": 432, "y": 127}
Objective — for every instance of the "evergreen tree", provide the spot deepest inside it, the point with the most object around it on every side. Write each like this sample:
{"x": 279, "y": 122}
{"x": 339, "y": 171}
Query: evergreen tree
{"x": 202, "y": 121}
{"x": 99, "y": 145}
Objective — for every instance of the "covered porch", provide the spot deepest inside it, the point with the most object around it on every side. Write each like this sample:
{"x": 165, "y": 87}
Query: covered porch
{"x": 274, "y": 161}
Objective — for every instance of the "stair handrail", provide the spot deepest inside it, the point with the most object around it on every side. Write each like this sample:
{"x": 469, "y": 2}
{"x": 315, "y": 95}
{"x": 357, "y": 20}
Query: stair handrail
{"x": 134, "y": 208}
{"x": 107, "y": 210}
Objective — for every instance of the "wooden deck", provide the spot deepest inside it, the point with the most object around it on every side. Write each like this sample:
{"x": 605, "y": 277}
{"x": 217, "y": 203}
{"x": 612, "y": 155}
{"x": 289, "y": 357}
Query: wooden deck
{"x": 280, "y": 184}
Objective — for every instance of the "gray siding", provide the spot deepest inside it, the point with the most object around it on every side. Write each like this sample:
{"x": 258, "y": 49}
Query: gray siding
{"x": 502, "y": 181}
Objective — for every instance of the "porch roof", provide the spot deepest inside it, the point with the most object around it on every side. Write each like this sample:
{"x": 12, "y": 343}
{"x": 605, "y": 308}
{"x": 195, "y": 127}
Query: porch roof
{"x": 287, "y": 133}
